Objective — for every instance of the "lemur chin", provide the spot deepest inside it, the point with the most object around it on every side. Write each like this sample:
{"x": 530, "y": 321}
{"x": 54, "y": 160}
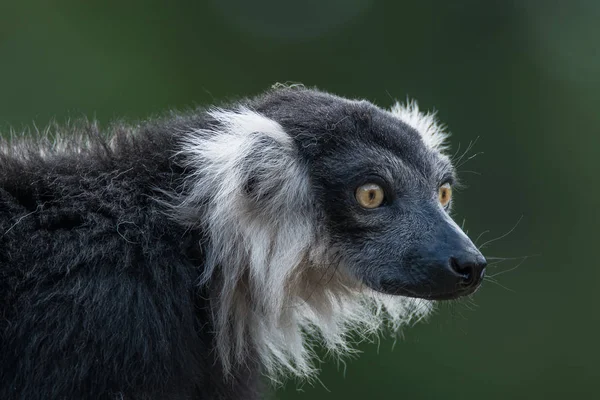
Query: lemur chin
{"x": 183, "y": 257}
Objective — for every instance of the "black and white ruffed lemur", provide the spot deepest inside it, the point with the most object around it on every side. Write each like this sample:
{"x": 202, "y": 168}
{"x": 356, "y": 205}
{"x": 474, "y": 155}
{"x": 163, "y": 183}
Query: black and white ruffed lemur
{"x": 188, "y": 256}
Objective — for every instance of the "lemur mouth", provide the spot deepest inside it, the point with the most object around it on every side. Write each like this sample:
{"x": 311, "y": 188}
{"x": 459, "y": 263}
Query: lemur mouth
{"x": 451, "y": 295}
{"x": 427, "y": 296}
{"x": 427, "y": 291}
{"x": 452, "y": 278}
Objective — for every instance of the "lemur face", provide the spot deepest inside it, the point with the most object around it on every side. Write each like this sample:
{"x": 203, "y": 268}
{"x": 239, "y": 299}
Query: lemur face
{"x": 385, "y": 194}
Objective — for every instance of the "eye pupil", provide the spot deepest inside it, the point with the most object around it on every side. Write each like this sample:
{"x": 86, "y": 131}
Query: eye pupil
{"x": 369, "y": 195}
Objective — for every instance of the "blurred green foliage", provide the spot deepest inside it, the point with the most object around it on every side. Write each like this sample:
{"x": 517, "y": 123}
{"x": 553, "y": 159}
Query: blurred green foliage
{"x": 521, "y": 76}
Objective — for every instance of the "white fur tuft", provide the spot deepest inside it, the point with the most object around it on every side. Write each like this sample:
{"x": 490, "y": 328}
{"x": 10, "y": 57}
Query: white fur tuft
{"x": 278, "y": 282}
{"x": 431, "y": 131}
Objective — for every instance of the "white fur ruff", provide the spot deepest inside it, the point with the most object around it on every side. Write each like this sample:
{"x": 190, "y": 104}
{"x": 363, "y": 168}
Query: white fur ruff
{"x": 279, "y": 283}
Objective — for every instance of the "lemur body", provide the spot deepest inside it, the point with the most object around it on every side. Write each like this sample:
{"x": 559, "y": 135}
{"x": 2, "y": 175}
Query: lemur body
{"x": 185, "y": 257}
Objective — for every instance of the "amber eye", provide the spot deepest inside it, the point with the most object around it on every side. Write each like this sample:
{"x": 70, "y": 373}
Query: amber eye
{"x": 445, "y": 194}
{"x": 370, "y": 195}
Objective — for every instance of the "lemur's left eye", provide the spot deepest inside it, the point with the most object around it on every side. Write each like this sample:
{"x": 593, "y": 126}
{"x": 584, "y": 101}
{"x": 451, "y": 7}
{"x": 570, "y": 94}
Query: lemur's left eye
{"x": 445, "y": 194}
{"x": 370, "y": 195}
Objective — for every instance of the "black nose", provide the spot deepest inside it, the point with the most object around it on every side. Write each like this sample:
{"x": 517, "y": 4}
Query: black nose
{"x": 470, "y": 269}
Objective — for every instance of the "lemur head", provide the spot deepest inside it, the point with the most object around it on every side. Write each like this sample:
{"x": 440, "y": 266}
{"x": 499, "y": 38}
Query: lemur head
{"x": 322, "y": 215}
{"x": 384, "y": 189}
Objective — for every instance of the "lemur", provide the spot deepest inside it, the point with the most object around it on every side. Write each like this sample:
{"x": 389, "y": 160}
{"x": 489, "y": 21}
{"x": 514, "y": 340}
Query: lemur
{"x": 191, "y": 255}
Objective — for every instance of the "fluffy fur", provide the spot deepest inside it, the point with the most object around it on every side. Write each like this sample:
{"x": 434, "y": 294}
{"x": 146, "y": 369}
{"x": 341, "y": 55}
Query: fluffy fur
{"x": 183, "y": 257}
{"x": 432, "y": 132}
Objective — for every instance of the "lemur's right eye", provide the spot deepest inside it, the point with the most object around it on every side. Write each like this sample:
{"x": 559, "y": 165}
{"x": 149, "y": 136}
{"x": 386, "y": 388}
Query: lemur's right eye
{"x": 370, "y": 195}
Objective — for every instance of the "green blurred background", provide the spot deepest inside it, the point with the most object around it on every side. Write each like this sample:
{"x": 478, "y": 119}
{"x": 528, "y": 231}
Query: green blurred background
{"x": 522, "y": 76}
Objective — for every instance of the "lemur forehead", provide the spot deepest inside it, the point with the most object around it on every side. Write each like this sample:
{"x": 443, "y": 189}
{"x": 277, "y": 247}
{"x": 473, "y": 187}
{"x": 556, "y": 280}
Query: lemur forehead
{"x": 321, "y": 122}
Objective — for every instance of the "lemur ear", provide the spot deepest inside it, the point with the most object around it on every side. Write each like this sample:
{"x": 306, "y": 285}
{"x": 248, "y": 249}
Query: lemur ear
{"x": 432, "y": 132}
{"x": 244, "y": 158}
{"x": 264, "y": 166}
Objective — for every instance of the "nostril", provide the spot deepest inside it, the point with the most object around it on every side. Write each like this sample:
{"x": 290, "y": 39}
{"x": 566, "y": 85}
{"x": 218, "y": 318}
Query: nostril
{"x": 467, "y": 270}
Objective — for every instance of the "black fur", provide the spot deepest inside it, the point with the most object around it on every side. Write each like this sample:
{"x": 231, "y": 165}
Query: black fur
{"x": 98, "y": 287}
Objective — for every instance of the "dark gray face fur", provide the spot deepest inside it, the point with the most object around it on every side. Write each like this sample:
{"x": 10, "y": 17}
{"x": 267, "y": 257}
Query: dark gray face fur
{"x": 409, "y": 246}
